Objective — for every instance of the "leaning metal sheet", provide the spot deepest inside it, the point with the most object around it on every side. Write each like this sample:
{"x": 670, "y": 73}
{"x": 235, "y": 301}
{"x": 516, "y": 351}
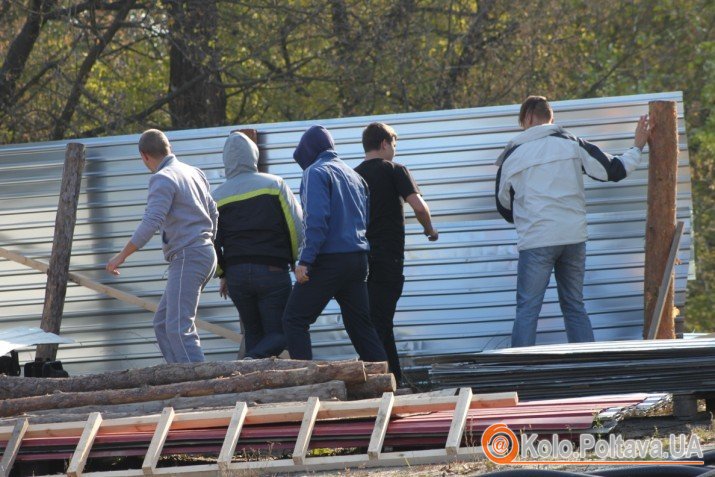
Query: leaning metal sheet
{"x": 459, "y": 291}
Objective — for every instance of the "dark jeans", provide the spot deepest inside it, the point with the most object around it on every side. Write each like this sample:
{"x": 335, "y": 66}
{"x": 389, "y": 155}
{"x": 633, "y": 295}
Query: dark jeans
{"x": 384, "y": 286}
{"x": 333, "y": 275}
{"x": 260, "y": 293}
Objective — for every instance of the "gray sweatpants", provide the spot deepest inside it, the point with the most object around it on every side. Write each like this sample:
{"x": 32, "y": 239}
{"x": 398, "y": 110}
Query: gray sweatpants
{"x": 189, "y": 271}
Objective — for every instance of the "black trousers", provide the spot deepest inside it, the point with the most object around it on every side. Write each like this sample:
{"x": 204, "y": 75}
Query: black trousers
{"x": 384, "y": 285}
{"x": 333, "y": 275}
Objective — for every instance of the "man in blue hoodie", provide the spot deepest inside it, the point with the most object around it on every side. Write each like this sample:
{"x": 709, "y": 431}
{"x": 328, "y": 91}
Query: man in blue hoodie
{"x": 333, "y": 258}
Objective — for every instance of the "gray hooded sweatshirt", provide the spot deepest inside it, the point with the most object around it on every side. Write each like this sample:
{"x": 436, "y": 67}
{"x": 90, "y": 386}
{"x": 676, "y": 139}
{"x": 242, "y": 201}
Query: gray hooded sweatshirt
{"x": 260, "y": 220}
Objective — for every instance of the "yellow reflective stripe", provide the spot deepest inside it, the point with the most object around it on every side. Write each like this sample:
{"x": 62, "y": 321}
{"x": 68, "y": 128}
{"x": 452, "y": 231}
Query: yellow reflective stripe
{"x": 291, "y": 226}
{"x": 284, "y": 206}
{"x": 247, "y": 195}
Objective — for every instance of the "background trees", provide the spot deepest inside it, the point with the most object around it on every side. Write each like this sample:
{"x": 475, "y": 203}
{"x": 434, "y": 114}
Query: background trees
{"x": 99, "y": 67}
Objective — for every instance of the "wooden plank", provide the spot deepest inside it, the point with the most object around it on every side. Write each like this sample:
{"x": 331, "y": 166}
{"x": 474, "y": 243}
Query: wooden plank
{"x": 87, "y": 282}
{"x": 65, "y": 219}
{"x": 13, "y": 447}
{"x": 232, "y": 434}
{"x": 665, "y": 283}
{"x": 157, "y": 442}
{"x": 291, "y": 412}
{"x": 79, "y": 457}
{"x": 381, "y": 421}
{"x": 459, "y": 421}
{"x": 306, "y": 430}
{"x": 311, "y": 464}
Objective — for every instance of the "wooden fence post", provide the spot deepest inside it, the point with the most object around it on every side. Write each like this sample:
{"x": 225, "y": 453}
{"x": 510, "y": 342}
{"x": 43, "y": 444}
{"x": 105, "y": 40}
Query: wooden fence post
{"x": 660, "y": 223}
{"x": 58, "y": 271}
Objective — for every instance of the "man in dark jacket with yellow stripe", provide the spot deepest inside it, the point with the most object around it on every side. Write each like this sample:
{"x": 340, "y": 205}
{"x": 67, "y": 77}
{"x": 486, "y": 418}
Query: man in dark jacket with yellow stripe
{"x": 259, "y": 232}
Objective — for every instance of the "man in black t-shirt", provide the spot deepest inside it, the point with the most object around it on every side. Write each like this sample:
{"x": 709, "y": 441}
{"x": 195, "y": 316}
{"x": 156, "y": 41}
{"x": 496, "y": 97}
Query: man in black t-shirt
{"x": 390, "y": 185}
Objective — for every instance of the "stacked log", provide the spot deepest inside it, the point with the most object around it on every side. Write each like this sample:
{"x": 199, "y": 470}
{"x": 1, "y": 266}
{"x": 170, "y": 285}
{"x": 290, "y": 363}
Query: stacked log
{"x": 196, "y": 386}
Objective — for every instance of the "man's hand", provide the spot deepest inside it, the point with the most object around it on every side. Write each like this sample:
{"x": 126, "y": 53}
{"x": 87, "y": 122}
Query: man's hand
{"x": 301, "y": 274}
{"x": 643, "y": 130}
{"x": 223, "y": 289}
{"x": 432, "y": 235}
{"x": 114, "y": 263}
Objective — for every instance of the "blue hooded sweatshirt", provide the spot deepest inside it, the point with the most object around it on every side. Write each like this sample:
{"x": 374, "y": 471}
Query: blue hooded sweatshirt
{"x": 334, "y": 198}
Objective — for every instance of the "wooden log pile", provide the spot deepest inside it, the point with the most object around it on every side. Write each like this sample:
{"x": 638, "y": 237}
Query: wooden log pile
{"x": 198, "y": 386}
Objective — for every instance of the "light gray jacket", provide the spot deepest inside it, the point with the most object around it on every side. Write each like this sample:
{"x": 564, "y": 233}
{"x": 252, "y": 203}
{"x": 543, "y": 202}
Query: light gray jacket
{"x": 540, "y": 184}
{"x": 179, "y": 204}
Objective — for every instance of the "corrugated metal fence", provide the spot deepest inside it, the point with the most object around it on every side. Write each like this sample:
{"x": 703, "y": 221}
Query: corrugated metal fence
{"x": 459, "y": 292}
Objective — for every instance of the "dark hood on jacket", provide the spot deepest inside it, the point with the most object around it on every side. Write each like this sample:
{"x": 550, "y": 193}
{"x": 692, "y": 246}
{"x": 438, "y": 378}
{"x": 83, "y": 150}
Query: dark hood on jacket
{"x": 315, "y": 140}
{"x": 240, "y": 154}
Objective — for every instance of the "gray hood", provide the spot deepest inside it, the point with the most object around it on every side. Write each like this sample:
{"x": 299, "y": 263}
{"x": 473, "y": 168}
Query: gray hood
{"x": 240, "y": 154}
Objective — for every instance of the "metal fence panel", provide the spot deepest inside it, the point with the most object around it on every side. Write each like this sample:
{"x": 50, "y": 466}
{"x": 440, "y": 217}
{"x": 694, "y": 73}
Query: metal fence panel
{"x": 459, "y": 292}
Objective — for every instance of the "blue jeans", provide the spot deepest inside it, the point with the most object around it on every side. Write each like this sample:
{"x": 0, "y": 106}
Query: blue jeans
{"x": 260, "y": 293}
{"x": 569, "y": 265}
{"x": 341, "y": 276}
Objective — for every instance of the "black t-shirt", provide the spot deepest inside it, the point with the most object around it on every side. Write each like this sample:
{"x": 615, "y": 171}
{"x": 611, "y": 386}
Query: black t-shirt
{"x": 389, "y": 183}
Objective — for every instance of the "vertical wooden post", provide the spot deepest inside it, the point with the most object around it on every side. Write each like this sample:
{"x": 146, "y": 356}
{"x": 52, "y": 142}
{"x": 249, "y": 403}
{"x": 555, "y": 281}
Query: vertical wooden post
{"x": 660, "y": 223}
{"x": 58, "y": 271}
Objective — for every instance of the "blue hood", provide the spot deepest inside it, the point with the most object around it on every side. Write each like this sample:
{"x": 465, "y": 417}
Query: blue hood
{"x": 314, "y": 141}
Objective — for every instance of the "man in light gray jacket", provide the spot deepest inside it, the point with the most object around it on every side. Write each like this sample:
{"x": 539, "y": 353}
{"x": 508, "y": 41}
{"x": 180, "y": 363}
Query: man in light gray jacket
{"x": 540, "y": 189}
{"x": 179, "y": 204}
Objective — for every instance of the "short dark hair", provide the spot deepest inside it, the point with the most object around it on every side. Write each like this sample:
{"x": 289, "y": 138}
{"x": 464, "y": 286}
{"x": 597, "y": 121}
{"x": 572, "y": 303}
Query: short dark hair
{"x": 154, "y": 143}
{"x": 536, "y": 106}
{"x": 374, "y": 134}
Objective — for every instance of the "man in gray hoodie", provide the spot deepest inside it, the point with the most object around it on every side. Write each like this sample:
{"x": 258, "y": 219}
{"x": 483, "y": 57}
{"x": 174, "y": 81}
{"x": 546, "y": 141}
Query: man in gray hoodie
{"x": 259, "y": 232}
{"x": 179, "y": 203}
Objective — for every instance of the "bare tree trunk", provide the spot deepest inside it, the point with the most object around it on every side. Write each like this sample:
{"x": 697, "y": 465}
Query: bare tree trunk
{"x": 374, "y": 386}
{"x": 17, "y": 387}
{"x": 57, "y": 273}
{"x": 660, "y": 225}
{"x": 332, "y": 390}
{"x": 312, "y": 374}
{"x": 20, "y": 49}
{"x": 192, "y": 33}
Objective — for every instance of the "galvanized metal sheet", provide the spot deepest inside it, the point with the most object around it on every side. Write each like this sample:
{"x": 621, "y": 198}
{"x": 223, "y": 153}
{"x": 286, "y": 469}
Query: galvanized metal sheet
{"x": 21, "y": 337}
{"x": 459, "y": 292}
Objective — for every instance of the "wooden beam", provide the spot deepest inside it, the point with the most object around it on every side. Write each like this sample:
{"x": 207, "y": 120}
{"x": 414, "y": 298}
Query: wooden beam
{"x": 459, "y": 421}
{"x": 81, "y": 453}
{"x": 87, "y": 282}
{"x": 65, "y": 218}
{"x": 665, "y": 283}
{"x": 232, "y": 434}
{"x": 13, "y": 447}
{"x": 660, "y": 222}
{"x": 381, "y": 422}
{"x": 271, "y": 413}
{"x": 157, "y": 441}
{"x": 312, "y": 464}
{"x": 306, "y": 430}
